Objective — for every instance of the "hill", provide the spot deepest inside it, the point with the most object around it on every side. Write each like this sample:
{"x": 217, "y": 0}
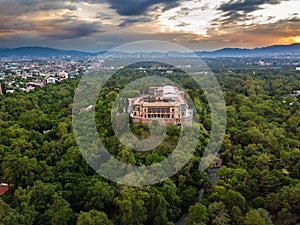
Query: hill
{"x": 42, "y": 52}
{"x": 293, "y": 49}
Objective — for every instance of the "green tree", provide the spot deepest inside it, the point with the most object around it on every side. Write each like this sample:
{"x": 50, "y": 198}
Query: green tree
{"x": 170, "y": 194}
{"x": 236, "y": 215}
{"x": 273, "y": 203}
{"x": 19, "y": 171}
{"x": 131, "y": 203}
{"x": 197, "y": 215}
{"x": 41, "y": 195}
{"x": 265, "y": 215}
{"x": 99, "y": 195}
{"x": 291, "y": 195}
{"x": 218, "y": 214}
{"x": 93, "y": 217}
{"x": 60, "y": 211}
{"x": 188, "y": 196}
{"x": 23, "y": 207}
{"x": 234, "y": 198}
{"x": 259, "y": 202}
{"x": 257, "y": 217}
{"x": 157, "y": 205}
{"x": 9, "y": 215}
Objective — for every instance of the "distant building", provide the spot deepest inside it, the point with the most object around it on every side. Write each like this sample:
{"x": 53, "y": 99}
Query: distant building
{"x": 63, "y": 75}
{"x": 164, "y": 104}
{"x": 2, "y": 89}
{"x": 51, "y": 80}
{"x": 30, "y": 86}
{"x": 3, "y": 188}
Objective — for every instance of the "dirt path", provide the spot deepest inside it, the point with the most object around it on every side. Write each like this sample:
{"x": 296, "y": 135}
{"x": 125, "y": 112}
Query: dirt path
{"x": 203, "y": 128}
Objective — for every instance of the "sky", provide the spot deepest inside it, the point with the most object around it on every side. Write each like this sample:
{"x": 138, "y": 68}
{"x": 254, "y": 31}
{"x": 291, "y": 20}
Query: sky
{"x": 95, "y": 25}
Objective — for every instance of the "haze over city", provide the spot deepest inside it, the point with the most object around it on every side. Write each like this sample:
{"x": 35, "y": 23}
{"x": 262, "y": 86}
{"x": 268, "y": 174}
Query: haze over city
{"x": 103, "y": 24}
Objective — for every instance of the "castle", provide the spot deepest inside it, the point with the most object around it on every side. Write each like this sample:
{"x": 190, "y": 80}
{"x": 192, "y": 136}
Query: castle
{"x": 165, "y": 104}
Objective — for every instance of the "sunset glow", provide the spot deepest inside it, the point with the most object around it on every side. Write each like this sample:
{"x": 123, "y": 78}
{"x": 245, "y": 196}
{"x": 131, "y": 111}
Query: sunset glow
{"x": 198, "y": 25}
{"x": 297, "y": 39}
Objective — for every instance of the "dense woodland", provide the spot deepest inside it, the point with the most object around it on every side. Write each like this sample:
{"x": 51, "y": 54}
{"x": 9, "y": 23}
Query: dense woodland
{"x": 50, "y": 182}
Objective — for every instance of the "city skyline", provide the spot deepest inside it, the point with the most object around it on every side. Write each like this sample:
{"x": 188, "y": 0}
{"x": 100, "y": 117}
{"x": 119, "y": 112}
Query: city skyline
{"x": 96, "y": 25}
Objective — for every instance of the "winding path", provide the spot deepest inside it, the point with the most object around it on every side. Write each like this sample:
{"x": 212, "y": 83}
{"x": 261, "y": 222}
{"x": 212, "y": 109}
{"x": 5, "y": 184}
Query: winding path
{"x": 203, "y": 128}
{"x": 214, "y": 179}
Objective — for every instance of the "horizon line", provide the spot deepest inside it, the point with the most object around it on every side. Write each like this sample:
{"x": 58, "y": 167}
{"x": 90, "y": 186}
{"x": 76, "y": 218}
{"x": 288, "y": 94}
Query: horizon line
{"x": 94, "y": 52}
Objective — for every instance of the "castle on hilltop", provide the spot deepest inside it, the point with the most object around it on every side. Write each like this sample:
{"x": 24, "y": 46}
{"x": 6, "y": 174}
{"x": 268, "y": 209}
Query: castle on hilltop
{"x": 165, "y": 104}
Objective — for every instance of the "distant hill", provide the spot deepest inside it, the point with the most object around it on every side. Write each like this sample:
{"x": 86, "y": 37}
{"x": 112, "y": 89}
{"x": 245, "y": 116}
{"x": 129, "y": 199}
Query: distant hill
{"x": 42, "y": 52}
{"x": 293, "y": 49}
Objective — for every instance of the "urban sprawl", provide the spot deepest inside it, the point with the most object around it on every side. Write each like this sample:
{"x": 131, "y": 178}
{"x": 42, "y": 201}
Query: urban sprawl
{"x": 28, "y": 73}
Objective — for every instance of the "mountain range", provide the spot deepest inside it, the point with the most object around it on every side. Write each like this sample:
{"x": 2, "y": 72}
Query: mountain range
{"x": 293, "y": 49}
{"x": 43, "y": 52}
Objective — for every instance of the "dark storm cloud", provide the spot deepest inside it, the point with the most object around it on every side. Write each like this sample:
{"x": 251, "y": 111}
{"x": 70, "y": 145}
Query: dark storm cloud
{"x": 54, "y": 29}
{"x": 16, "y": 7}
{"x": 246, "y": 6}
{"x": 50, "y": 6}
{"x": 31, "y": 18}
{"x": 129, "y": 21}
{"x": 65, "y": 27}
{"x": 231, "y": 17}
{"x": 73, "y": 31}
{"x": 104, "y": 16}
{"x": 234, "y": 11}
{"x": 137, "y": 7}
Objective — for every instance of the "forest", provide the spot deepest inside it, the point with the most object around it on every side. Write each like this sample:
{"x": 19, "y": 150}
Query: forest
{"x": 51, "y": 183}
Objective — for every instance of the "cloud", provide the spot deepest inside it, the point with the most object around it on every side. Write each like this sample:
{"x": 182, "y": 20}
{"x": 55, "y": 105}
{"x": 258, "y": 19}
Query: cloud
{"x": 16, "y": 7}
{"x": 279, "y": 29}
{"x": 104, "y": 16}
{"x": 73, "y": 31}
{"x": 60, "y": 5}
{"x": 107, "y": 23}
{"x": 236, "y": 11}
{"x": 246, "y": 6}
{"x": 183, "y": 24}
{"x": 45, "y": 19}
{"x": 138, "y": 7}
{"x": 256, "y": 35}
{"x": 129, "y": 21}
